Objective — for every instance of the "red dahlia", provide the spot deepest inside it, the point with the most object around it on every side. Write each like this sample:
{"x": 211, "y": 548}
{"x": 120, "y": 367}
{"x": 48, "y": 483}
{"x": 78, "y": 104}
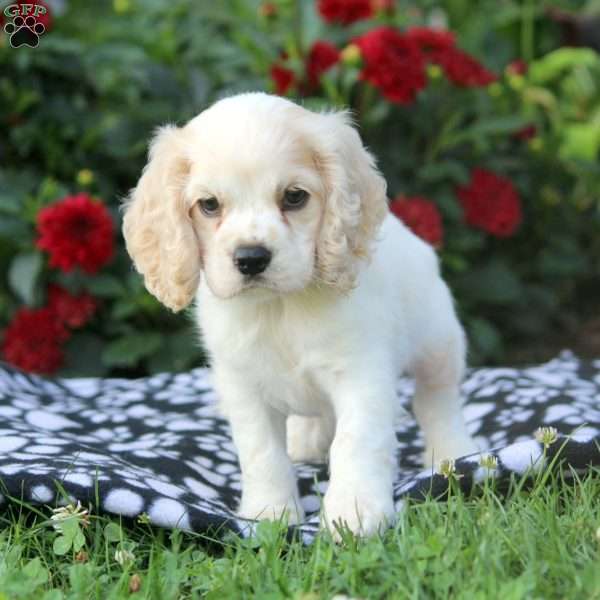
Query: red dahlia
{"x": 462, "y": 69}
{"x": 431, "y": 40}
{"x": 282, "y": 78}
{"x": 393, "y": 63}
{"x": 77, "y": 231}
{"x": 322, "y": 56}
{"x": 439, "y": 47}
{"x": 73, "y": 311}
{"x": 421, "y": 216}
{"x": 32, "y": 340}
{"x": 345, "y": 11}
{"x": 491, "y": 203}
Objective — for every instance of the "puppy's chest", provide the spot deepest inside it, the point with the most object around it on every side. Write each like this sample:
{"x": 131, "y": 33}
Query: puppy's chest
{"x": 281, "y": 362}
{"x": 288, "y": 375}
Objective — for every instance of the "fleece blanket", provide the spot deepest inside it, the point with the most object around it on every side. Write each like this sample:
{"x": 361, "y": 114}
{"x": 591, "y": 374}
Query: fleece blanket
{"x": 157, "y": 446}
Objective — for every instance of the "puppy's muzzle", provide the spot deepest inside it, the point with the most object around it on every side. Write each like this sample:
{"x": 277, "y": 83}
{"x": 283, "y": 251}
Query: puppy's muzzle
{"x": 251, "y": 260}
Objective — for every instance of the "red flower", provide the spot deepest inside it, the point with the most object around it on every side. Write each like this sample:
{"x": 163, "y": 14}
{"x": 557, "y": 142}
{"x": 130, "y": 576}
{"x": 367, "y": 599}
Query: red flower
{"x": 431, "y": 40}
{"x": 32, "y": 340}
{"x": 392, "y": 63}
{"x": 421, "y": 216}
{"x": 439, "y": 47}
{"x": 462, "y": 69}
{"x": 345, "y": 11}
{"x": 73, "y": 311}
{"x": 282, "y": 78}
{"x": 77, "y": 231}
{"x": 517, "y": 67}
{"x": 525, "y": 133}
{"x": 321, "y": 57}
{"x": 491, "y": 203}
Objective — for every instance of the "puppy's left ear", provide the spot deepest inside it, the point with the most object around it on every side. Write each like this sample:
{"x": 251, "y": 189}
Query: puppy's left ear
{"x": 356, "y": 201}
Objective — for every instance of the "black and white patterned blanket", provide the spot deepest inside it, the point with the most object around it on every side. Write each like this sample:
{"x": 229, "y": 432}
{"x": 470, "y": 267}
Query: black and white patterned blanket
{"x": 158, "y": 446}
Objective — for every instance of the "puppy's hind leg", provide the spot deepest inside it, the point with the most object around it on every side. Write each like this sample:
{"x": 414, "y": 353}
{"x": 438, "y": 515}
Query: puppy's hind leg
{"x": 437, "y": 404}
{"x": 309, "y": 438}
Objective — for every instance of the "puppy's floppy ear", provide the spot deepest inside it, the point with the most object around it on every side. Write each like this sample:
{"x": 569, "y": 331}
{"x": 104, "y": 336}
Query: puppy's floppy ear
{"x": 356, "y": 201}
{"x": 157, "y": 227}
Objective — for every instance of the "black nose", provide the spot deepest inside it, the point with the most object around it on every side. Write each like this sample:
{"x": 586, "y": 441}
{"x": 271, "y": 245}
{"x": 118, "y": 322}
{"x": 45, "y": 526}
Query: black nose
{"x": 251, "y": 260}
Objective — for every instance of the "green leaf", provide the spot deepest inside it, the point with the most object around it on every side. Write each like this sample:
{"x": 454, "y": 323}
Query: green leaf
{"x": 62, "y": 545}
{"x": 35, "y": 572}
{"x": 485, "y": 337}
{"x": 113, "y": 533}
{"x": 105, "y": 286}
{"x": 10, "y": 205}
{"x": 78, "y": 541}
{"x": 487, "y": 127}
{"x": 83, "y": 578}
{"x": 178, "y": 352}
{"x": 451, "y": 170}
{"x": 495, "y": 283}
{"x": 124, "y": 307}
{"x": 82, "y": 356}
{"x": 580, "y": 141}
{"x": 50, "y": 191}
{"x": 70, "y": 527}
{"x": 14, "y": 229}
{"x": 23, "y": 275}
{"x": 563, "y": 261}
{"x": 128, "y": 350}
{"x": 554, "y": 63}
{"x": 53, "y": 595}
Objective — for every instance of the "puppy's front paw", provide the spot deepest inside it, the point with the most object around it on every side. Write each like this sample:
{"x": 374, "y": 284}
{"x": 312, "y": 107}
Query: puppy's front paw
{"x": 363, "y": 513}
{"x": 290, "y": 511}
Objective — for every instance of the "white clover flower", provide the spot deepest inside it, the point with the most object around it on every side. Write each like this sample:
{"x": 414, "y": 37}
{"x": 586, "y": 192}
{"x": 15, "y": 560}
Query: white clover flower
{"x": 447, "y": 468}
{"x": 546, "y": 436}
{"x": 489, "y": 462}
{"x": 62, "y": 513}
{"x": 144, "y": 518}
{"x": 124, "y": 557}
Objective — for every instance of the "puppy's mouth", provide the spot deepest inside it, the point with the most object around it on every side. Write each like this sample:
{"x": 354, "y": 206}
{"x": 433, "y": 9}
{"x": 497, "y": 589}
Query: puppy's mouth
{"x": 258, "y": 288}
{"x": 257, "y": 281}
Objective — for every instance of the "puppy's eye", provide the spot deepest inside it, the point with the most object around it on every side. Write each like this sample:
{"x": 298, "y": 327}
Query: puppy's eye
{"x": 294, "y": 199}
{"x": 210, "y": 207}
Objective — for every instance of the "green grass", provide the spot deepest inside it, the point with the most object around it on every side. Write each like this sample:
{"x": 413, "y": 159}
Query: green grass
{"x": 542, "y": 542}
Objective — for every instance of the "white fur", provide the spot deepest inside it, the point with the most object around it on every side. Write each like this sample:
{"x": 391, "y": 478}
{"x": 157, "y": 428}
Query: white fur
{"x": 350, "y": 300}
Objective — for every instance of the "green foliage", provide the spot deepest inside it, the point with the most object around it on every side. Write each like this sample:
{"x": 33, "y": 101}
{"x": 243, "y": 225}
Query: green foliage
{"x": 71, "y": 537}
{"x": 77, "y": 112}
{"x": 538, "y": 541}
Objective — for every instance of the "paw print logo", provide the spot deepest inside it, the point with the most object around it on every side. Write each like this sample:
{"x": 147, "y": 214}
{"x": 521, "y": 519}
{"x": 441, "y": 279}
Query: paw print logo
{"x": 24, "y": 31}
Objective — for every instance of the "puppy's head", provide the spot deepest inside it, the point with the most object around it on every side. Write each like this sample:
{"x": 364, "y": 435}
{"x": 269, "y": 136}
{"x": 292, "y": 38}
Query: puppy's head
{"x": 258, "y": 193}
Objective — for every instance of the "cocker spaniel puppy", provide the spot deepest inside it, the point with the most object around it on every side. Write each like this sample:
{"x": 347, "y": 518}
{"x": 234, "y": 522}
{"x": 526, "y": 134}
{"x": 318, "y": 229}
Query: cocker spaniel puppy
{"x": 310, "y": 297}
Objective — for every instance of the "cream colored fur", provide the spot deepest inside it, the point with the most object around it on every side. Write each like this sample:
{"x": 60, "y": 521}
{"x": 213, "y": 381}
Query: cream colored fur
{"x": 350, "y": 300}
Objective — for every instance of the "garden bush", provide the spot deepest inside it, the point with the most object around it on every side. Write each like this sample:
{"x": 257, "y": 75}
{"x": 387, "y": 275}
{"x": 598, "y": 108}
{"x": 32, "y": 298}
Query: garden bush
{"x": 486, "y": 128}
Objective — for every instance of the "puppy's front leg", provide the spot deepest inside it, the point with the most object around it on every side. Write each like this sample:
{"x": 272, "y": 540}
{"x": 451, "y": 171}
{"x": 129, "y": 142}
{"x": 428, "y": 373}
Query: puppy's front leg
{"x": 269, "y": 489}
{"x": 362, "y": 455}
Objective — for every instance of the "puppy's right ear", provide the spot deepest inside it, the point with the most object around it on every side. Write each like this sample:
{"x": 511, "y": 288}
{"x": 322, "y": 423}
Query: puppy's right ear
{"x": 157, "y": 227}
